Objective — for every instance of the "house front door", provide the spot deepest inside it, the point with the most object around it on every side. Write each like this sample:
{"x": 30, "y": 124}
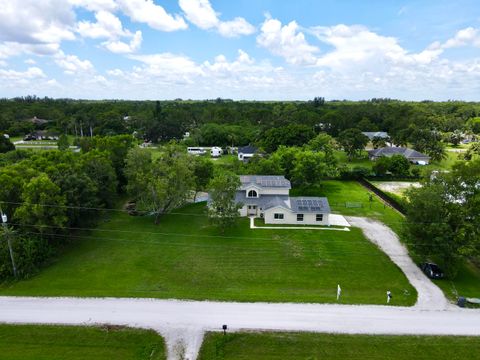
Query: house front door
{"x": 252, "y": 210}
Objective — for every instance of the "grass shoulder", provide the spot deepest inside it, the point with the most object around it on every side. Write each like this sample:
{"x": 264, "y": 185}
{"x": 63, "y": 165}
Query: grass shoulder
{"x": 42, "y": 342}
{"x": 293, "y": 346}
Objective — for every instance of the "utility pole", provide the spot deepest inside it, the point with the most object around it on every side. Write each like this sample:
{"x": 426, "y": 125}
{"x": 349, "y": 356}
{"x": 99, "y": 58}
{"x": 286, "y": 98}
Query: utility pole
{"x": 6, "y": 232}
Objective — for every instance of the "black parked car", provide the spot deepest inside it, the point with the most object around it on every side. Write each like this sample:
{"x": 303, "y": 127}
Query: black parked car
{"x": 432, "y": 270}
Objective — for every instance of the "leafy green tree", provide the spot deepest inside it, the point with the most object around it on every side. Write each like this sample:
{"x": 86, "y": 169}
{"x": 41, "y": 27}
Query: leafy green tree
{"x": 164, "y": 185}
{"x": 455, "y": 137}
{"x": 138, "y": 167}
{"x": 203, "y": 172}
{"x": 116, "y": 147}
{"x": 399, "y": 165}
{"x": 381, "y": 166}
{"x": 291, "y": 135}
{"x": 80, "y": 193}
{"x": 285, "y": 158}
{"x": 98, "y": 167}
{"x": 352, "y": 141}
{"x": 441, "y": 216}
{"x": 378, "y": 142}
{"x": 223, "y": 210}
{"x": 43, "y": 206}
{"x": 310, "y": 167}
{"x": 436, "y": 151}
{"x": 473, "y": 151}
{"x": 63, "y": 143}
{"x": 5, "y": 144}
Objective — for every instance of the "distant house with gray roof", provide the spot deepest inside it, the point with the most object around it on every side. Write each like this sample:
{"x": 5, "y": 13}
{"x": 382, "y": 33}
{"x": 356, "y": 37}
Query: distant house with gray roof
{"x": 268, "y": 197}
{"x": 412, "y": 155}
{"x": 245, "y": 153}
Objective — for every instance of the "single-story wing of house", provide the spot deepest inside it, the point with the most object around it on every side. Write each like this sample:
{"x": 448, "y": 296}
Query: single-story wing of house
{"x": 245, "y": 153}
{"x": 268, "y": 197}
{"x": 412, "y": 155}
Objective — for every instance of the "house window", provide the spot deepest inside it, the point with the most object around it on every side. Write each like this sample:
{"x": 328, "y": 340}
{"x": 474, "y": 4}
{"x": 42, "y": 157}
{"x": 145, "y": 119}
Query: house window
{"x": 278, "y": 216}
{"x": 252, "y": 194}
{"x": 299, "y": 217}
{"x": 319, "y": 217}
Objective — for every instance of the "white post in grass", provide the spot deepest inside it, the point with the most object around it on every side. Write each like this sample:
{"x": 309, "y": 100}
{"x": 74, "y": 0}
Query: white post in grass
{"x": 7, "y": 237}
{"x": 339, "y": 292}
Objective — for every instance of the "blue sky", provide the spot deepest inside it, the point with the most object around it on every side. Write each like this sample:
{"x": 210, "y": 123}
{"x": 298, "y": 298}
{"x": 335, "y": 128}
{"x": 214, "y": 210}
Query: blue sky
{"x": 244, "y": 49}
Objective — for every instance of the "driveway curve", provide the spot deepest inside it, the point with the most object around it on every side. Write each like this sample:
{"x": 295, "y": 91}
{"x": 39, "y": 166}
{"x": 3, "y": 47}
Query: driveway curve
{"x": 430, "y": 297}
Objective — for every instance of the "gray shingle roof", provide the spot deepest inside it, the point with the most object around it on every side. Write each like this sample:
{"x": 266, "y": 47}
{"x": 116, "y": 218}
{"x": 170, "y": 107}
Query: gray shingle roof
{"x": 264, "y": 181}
{"x": 264, "y": 201}
{"x": 389, "y": 151}
{"x": 249, "y": 149}
{"x": 308, "y": 204}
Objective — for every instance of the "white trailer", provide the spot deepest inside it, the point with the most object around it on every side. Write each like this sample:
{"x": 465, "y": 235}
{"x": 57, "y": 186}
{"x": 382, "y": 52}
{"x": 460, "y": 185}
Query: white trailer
{"x": 216, "y": 152}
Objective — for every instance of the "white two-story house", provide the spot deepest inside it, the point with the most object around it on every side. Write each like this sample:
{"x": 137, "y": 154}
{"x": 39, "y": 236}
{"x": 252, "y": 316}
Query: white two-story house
{"x": 268, "y": 197}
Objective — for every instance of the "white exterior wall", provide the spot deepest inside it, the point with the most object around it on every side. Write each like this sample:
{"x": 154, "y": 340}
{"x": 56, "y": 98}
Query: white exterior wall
{"x": 291, "y": 218}
{"x": 243, "y": 210}
{"x": 243, "y": 157}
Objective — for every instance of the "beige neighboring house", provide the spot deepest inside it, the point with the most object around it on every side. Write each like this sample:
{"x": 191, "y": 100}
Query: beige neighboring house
{"x": 268, "y": 197}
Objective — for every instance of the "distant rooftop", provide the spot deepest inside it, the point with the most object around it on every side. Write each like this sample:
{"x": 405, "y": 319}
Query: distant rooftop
{"x": 249, "y": 149}
{"x": 265, "y": 181}
{"x": 389, "y": 151}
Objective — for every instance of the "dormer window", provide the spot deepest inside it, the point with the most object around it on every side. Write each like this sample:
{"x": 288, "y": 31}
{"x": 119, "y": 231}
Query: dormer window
{"x": 252, "y": 194}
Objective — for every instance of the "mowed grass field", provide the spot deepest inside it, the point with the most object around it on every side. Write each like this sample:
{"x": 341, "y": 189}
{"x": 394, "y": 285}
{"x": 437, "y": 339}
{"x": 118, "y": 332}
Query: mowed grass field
{"x": 42, "y": 342}
{"x": 185, "y": 257}
{"x": 302, "y": 346}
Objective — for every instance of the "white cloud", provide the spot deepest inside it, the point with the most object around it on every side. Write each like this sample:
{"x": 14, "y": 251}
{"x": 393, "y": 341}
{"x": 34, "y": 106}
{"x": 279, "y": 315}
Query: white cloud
{"x": 167, "y": 66}
{"x": 36, "y": 22}
{"x": 30, "y": 73}
{"x": 9, "y": 49}
{"x": 146, "y": 11}
{"x": 120, "y": 47}
{"x": 464, "y": 37}
{"x": 30, "y": 62}
{"x": 95, "y": 5}
{"x": 115, "y": 72}
{"x": 236, "y": 27}
{"x": 71, "y": 64}
{"x": 201, "y": 14}
{"x": 107, "y": 26}
{"x": 287, "y": 42}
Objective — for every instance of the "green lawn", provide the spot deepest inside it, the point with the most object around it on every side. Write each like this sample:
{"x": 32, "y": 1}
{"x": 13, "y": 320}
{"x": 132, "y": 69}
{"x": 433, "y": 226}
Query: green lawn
{"x": 362, "y": 161}
{"x": 184, "y": 257}
{"x": 446, "y": 164}
{"x": 311, "y": 346}
{"x": 466, "y": 283}
{"x": 41, "y": 342}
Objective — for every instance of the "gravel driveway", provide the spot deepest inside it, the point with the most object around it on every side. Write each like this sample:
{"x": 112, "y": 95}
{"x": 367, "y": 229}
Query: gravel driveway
{"x": 429, "y": 295}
